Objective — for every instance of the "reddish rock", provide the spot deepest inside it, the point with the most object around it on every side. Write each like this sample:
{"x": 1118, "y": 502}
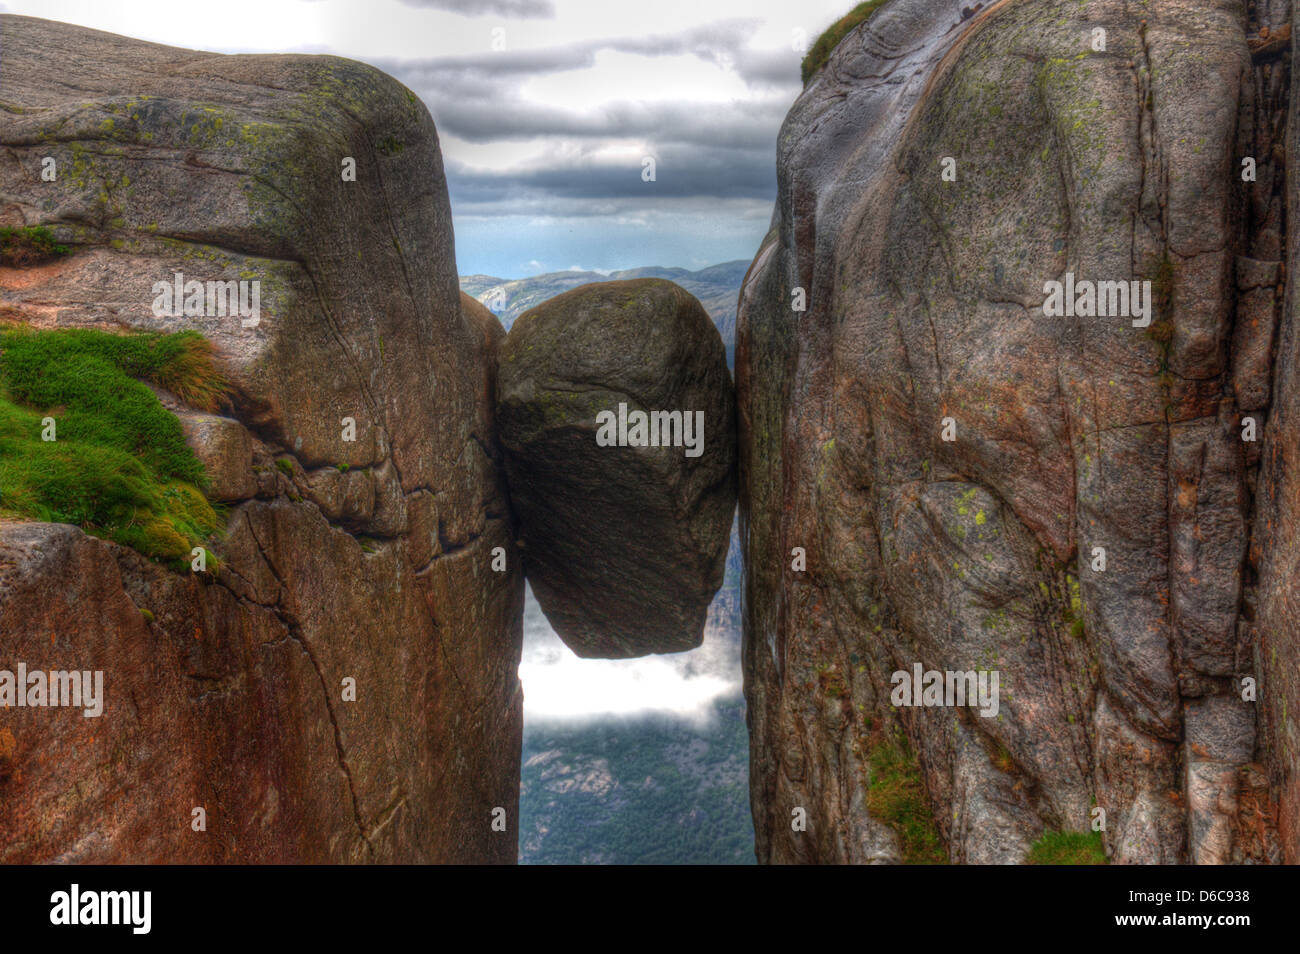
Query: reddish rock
{"x": 367, "y": 559}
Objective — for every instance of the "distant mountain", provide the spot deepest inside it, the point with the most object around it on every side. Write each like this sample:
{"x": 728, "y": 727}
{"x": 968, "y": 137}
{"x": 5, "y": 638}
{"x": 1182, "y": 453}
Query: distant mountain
{"x": 717, "y": 287}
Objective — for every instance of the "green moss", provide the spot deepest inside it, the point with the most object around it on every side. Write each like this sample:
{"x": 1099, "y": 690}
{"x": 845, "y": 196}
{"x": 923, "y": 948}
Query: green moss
{"x": 896, "y": 796}
{"x": 285, "y": 465}
{"x": 28, "y": 245}
{"x": 119, "y": 466}
{"x": 1067, "y": 848}
{"x": 826, "y": 43}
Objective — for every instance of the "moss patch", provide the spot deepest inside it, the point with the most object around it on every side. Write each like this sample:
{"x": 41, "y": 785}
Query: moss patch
{"x": 896, "y": 797}
{"x": 29, "y": 245}
{"x": 119, "y": 467}
{"x": 1067, "y": 848}
{"x": 826, "y": 43}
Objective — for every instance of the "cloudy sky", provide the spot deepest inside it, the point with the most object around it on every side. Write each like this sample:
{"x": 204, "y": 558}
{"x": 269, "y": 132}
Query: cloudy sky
{"x": 546, "y": 109}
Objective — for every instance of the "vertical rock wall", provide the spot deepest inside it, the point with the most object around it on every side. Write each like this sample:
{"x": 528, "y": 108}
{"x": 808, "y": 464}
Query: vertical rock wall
{"x": 1121, "y": 688}
{"x": 1275, "y": 632}
{"x": 367, "y": 559}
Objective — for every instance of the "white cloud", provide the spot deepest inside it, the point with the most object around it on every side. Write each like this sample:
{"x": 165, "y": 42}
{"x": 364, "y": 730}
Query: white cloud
{"x": 560, "y": 685}
{"x": 631, "y": 76}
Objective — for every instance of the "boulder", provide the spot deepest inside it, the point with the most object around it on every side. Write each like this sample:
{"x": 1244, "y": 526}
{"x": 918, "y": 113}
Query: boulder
{"x": 623, "y": 528}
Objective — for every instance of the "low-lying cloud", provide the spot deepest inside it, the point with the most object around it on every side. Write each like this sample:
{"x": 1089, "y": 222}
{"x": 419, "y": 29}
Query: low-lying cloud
{"x": 561, "y": 686}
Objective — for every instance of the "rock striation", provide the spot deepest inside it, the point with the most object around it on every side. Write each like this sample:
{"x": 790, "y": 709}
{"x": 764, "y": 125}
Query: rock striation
{"x": 624, "y": 532}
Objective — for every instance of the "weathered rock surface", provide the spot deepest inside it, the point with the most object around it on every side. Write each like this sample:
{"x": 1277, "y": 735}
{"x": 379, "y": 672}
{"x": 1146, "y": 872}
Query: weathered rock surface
{"x": 1272, "y": 638}
{"x": 623, "y": 545}
{"x": 366, "y": 559}
{"x": 1121, "y": 688}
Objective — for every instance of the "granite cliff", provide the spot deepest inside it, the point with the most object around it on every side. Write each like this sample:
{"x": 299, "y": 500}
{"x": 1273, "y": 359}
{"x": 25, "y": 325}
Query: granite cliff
{"x": 355, "y": 457}
{"x": 1100, "y": 508}
{"x": 334, "y": 679}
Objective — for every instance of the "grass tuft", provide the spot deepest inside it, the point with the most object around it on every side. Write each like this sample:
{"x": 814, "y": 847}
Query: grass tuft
{"x": 119, "y": 467}
{"x": 28, "y": 245}
{"x": 1067, "y": 848}
{"x": 821, "y": 50}
{"x": 896, "y": 796}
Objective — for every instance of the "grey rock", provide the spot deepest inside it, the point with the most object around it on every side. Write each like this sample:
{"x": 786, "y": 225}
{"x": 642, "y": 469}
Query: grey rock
{"x": 225, "y": 448}
{"x": 925, "y": 304}
{"x": 623, "y": 545}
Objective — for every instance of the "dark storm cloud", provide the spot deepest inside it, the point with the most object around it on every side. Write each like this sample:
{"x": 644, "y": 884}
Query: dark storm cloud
{"x": 524, "y": 9}
{"x": 703, "y": 149}
{"x": 471, "y": 101}
{"x": 734, "y": 126}
{"x": 722, "y": 43}
{"x": 680, "y": 172}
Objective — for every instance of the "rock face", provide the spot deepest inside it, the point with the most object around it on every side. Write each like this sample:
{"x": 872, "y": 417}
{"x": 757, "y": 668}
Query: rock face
{"x": 623, "y": 545}
{"x": 1274, "y": 549}
{"x": 1072, "y": 502}
{"x": 357, "y": 457}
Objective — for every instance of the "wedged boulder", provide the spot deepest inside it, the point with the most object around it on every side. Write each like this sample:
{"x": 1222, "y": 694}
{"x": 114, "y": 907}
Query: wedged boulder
{"x": 623, "y": 523}
{"x": 1065, "y": 499}
{"x": 341, "y": 685}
